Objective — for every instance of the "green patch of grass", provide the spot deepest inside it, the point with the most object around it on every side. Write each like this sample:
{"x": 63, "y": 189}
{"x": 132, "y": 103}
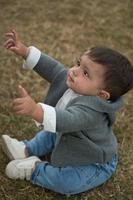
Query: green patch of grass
{"x": 130, "y": 26}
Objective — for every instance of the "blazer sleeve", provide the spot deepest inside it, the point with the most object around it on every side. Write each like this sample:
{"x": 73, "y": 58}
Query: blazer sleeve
{"x": 46, "y": 66}
{"x": 72, "y": 119}
{"x": 76, "y": 118}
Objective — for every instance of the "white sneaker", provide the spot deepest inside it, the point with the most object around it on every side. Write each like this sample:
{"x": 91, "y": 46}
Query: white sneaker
{"x": 21, "y": 169}
{"x": 13, "y": 148}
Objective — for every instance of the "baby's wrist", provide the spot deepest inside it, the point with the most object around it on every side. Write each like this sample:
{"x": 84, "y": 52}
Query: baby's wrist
{"x": 25, "y": 52}
{"x": 37, "y": 114}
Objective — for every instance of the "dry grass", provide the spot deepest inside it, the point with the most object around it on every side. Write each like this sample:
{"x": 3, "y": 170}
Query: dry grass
{"x": 64, "y": 29}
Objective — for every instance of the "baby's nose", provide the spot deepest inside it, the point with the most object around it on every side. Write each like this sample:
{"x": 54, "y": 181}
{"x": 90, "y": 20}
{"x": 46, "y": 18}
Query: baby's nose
{"x": 75, "y": 72}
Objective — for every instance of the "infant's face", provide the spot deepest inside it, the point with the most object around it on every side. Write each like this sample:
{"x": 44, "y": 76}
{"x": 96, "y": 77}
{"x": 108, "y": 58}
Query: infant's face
{"x": 86, "y": 77}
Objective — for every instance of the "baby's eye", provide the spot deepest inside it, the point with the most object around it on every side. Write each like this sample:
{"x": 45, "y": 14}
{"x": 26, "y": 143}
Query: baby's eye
{"x": 86, "y": 74}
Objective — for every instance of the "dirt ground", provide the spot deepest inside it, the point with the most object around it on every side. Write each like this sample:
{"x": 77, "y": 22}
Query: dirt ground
{"x": 63, "y": 29}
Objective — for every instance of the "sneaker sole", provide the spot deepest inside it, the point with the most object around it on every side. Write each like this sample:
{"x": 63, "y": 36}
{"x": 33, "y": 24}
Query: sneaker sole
{"x": 6, "y": 149}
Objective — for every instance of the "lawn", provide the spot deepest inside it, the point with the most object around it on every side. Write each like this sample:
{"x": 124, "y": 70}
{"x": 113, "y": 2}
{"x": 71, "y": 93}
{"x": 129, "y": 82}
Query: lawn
{"x": 63, "y": 29}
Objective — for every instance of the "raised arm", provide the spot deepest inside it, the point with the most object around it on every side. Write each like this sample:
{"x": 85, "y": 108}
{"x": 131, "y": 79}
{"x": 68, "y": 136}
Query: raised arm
{"x": 46, "y": 66}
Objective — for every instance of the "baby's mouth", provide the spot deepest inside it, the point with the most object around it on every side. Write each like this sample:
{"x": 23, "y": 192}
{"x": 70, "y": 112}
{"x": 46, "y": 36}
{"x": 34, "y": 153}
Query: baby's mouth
{"x": 70, "y": 77}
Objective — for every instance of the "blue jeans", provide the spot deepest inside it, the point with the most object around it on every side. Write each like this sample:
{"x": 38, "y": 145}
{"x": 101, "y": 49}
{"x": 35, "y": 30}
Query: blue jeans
{"x": 65, "y": 180}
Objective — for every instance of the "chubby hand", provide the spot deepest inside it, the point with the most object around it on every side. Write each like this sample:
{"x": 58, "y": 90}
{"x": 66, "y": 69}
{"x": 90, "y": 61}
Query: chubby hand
{"x": 25, "y": 105}
{"x": 14, "y": 44}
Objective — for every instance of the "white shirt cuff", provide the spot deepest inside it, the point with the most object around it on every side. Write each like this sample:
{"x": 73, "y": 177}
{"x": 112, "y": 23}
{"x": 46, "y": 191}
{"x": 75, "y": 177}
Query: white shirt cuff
{"x": 49, "y": 118}
{"x": 32, "y": 58}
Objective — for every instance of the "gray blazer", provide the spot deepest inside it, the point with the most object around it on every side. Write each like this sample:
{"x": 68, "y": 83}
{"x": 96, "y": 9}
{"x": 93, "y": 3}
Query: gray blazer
{"x": 84, "y": 128}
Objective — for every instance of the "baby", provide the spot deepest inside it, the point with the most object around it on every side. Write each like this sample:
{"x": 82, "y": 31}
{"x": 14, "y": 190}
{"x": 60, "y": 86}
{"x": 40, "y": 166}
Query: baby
{"x": 76, "y": 119}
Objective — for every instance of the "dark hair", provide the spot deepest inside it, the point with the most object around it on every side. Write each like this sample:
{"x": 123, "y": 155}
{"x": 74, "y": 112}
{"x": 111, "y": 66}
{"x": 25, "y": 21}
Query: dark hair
{"x": 118, "y": 77}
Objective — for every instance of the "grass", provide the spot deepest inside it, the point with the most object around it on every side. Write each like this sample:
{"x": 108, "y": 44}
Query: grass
{"x": 64, "y": 29}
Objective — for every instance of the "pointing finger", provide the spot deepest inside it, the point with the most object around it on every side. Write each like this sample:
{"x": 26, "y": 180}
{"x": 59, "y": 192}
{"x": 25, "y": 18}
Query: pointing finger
{"x": 22, "y": 91}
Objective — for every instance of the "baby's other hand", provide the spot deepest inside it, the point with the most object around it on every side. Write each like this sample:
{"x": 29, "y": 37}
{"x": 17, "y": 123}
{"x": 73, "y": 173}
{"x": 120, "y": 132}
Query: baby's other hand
{"x": 24, "y": 105}
{"x": 14, "y": 44}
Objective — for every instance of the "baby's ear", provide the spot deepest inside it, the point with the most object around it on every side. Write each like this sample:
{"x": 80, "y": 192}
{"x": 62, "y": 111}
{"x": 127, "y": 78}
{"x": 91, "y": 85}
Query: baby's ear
{"x": 104, "y": 94}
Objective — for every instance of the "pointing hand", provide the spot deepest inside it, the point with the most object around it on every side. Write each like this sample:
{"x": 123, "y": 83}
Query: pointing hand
{"x": 24, "y": 105}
